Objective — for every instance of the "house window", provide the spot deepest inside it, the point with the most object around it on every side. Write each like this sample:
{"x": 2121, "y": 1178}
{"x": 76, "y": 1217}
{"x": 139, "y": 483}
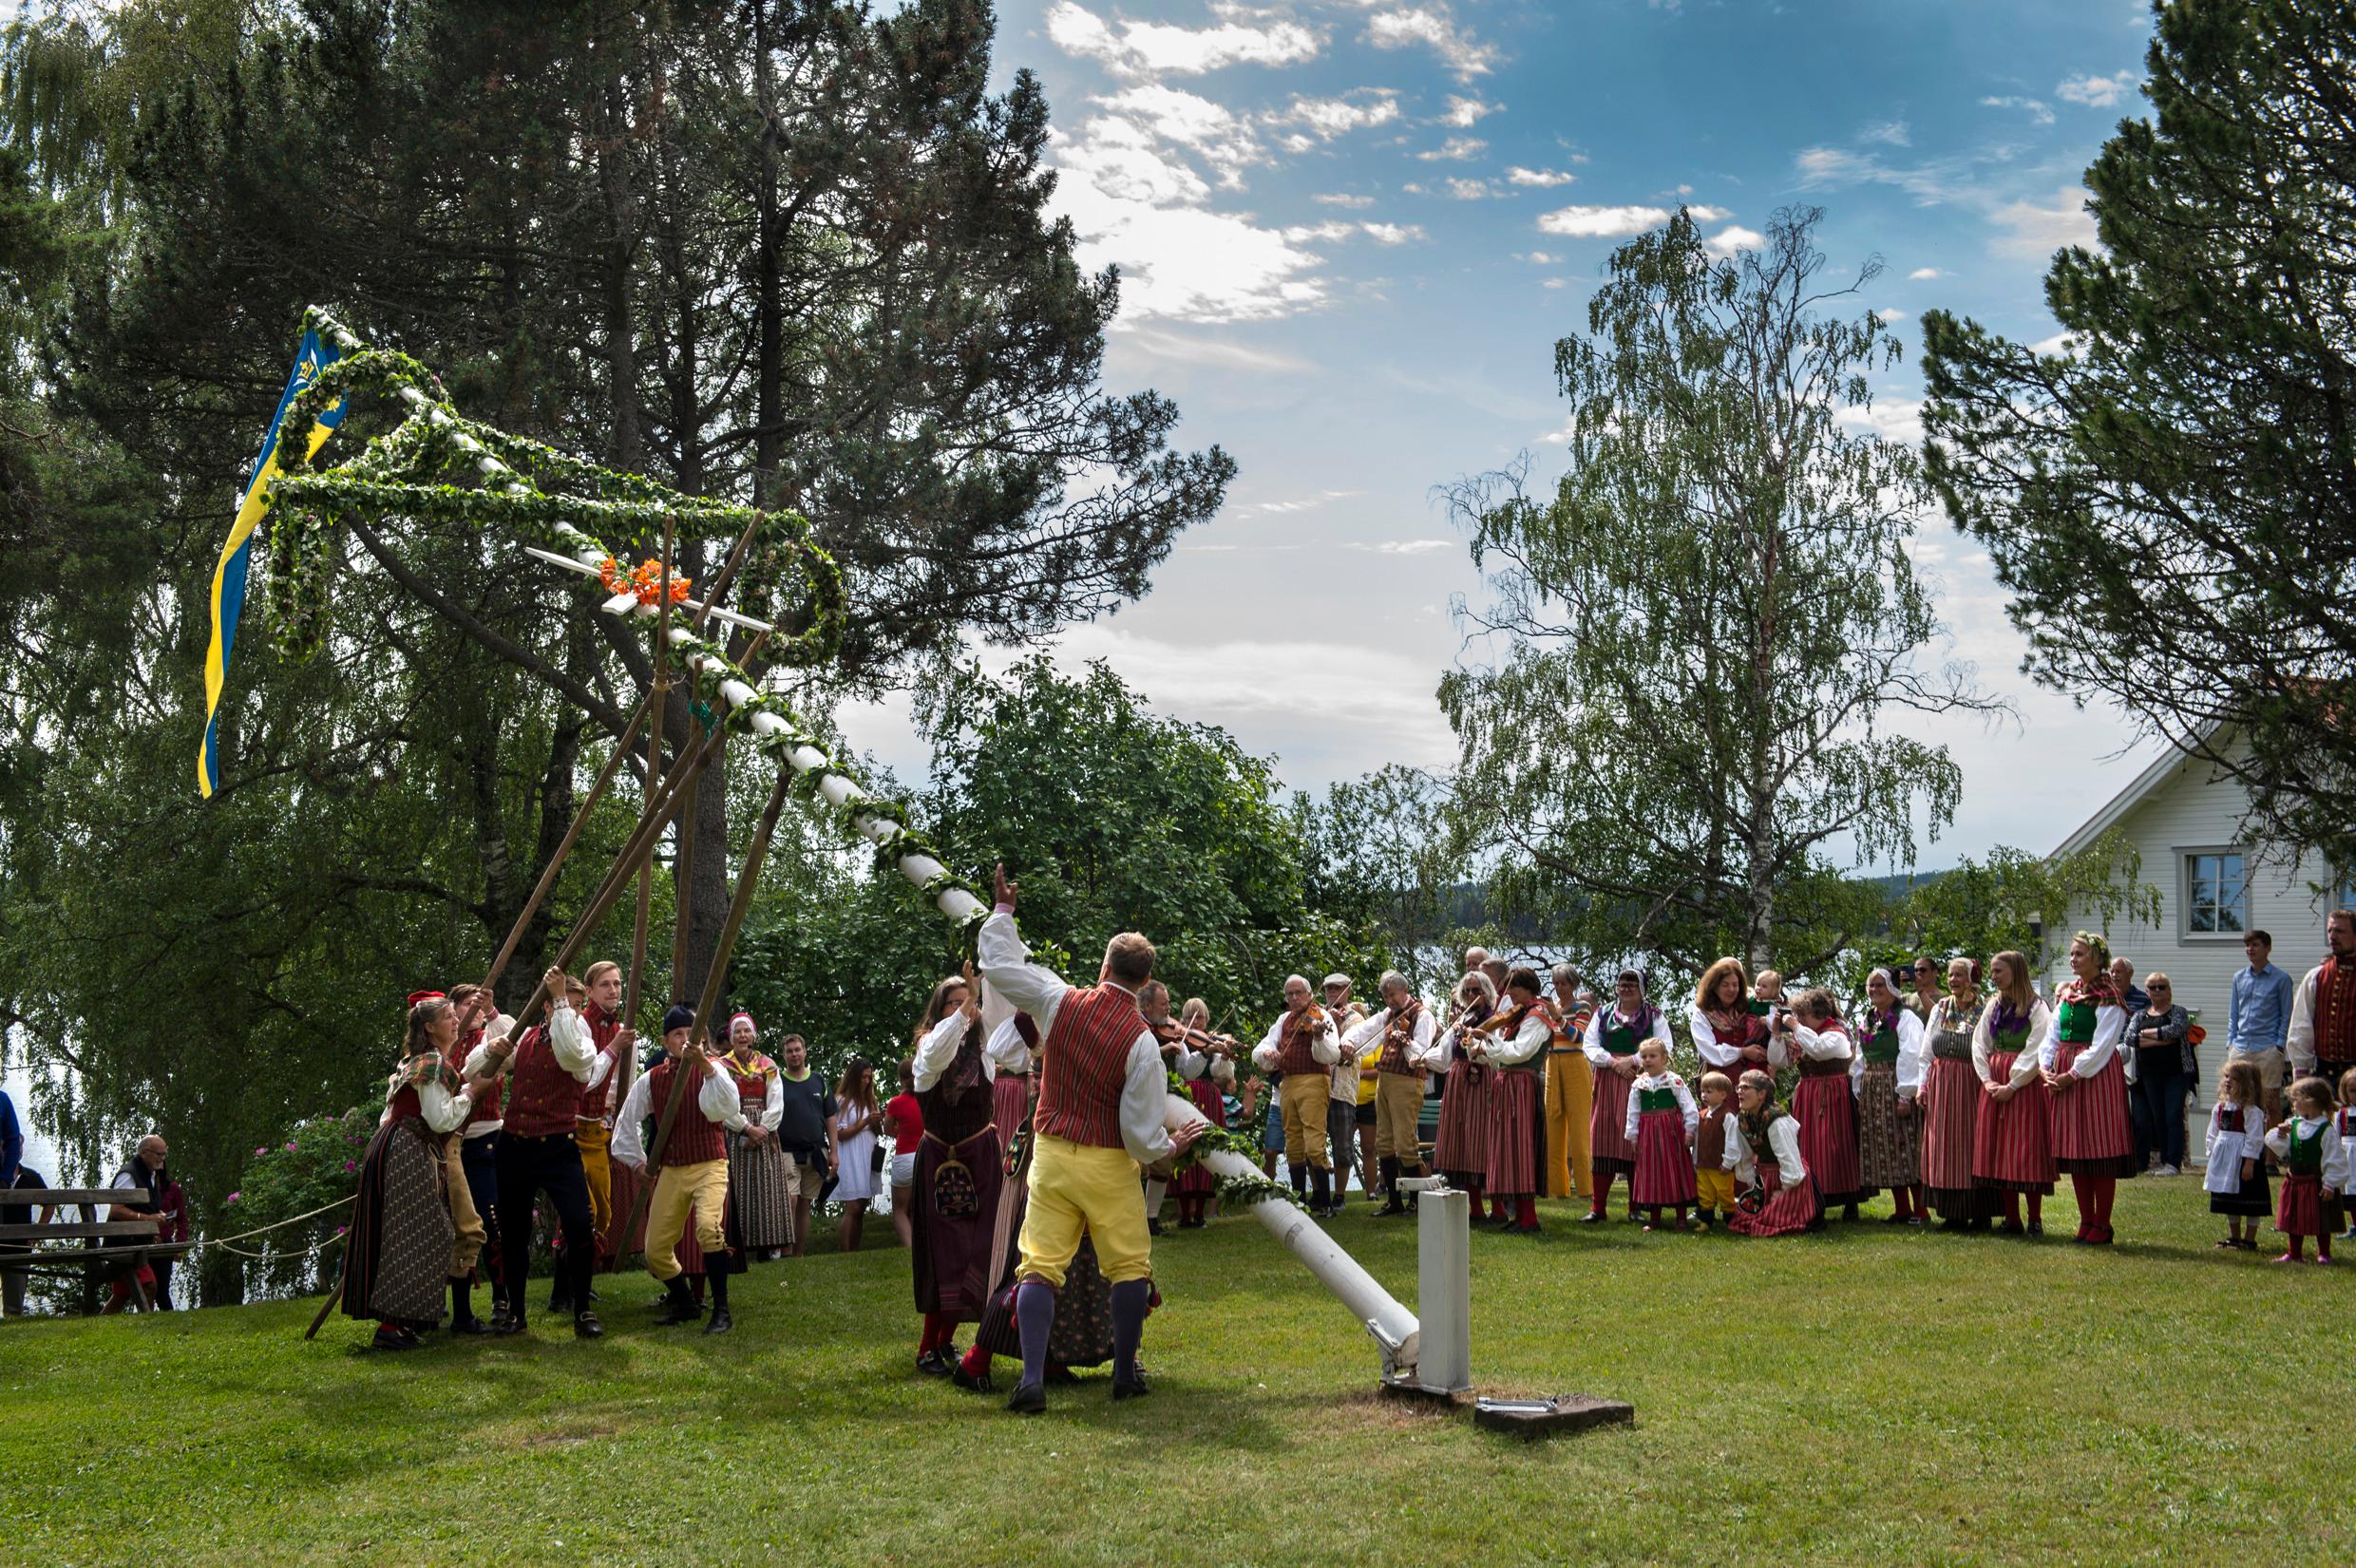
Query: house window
{"x": 2216, "y": 896}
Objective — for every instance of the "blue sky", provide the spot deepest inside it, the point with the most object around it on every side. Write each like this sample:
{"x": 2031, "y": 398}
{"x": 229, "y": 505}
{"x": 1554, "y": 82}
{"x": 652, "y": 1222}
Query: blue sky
{"x": 1351, "y": 233}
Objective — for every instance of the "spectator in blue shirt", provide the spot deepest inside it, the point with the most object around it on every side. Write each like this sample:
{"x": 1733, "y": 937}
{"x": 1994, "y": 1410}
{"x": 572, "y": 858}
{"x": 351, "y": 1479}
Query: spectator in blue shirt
{"x": 2257, "y": 1023}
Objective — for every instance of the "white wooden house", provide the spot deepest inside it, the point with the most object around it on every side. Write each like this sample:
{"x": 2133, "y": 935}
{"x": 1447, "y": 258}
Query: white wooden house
{"x": 2185, "y": 819}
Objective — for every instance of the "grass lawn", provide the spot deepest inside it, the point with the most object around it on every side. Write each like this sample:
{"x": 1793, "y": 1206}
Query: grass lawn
{"x": 1875, "y": 1396}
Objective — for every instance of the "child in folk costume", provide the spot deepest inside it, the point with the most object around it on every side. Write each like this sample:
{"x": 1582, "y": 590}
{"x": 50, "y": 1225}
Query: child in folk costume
{"x": 1402, "y": 1038}
{"x": 1461, "y": 1148}
{"x": 2012, "y": 1142}
{"x": 1613, "y": 1037}
{"x": 1763, "y": 1151}
{"x": 399, "y": 1246}
{"x": 1891, "y": 1052}
{"x": 2093, "y": 1138}
{"x": 2313, "y": 1161}
{"x": 1825, "y": 1102}
{"x": 1660, "y": 1121}
{"x": 1714, "y": 1183}
{"x": 2340, "y": 1207}
{"x": 1950, "y": 1103}
{"x": 2235, "y": 1177}
{"x": 1512, "y": 1044}
{"x": 1194, "y": 1185}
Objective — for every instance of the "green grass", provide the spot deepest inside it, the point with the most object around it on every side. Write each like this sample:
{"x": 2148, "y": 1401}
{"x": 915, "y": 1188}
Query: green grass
{"x": 1873, "y": 1395}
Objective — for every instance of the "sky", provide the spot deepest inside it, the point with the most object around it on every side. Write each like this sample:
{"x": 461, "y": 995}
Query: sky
{"x": 1349, "y": 231}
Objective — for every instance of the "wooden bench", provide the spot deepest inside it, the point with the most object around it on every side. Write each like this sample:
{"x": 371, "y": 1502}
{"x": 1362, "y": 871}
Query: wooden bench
{"x": 90, "y": 1233}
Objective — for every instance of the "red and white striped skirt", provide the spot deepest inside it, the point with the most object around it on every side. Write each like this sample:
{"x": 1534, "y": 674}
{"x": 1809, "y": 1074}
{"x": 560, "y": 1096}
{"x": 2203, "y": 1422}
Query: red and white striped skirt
{"x": 1461, "y": 1148}
{"x": 1196, "y": 1179}
{"x": 1828, "y": 1135}
{"x": 2091, "y": 1133}
{"x": 2012, "y": 1141}
{"x": 1010, "y": 1101}
{"x": 1512, "y": 1169}
{"x": 1789, "y": 1210}
{"x": 2300, "y": 1209}
{"x": 1610, "y": 1153}
{"x": 1949, "y": 1106}
{"x": 1665, "y": 1167}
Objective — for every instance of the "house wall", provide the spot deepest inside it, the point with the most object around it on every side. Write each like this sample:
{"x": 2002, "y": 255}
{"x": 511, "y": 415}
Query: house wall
{"x": 2196, "y": 810}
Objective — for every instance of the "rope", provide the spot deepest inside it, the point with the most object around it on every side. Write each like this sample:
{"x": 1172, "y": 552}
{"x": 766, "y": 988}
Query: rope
{"x": 277, "y": 1257}
{"x": 275, "y": 1225}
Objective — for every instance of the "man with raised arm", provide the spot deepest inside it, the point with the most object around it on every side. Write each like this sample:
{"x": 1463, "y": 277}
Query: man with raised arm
{"x": 1101, "y": 1106}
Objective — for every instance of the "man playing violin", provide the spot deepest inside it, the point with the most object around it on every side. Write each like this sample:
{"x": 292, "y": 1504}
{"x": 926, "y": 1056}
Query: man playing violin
{"x": 1400, "y": 1039}
{"x": 1341, "y": 1110}
{"x": 1303, "y": 1045}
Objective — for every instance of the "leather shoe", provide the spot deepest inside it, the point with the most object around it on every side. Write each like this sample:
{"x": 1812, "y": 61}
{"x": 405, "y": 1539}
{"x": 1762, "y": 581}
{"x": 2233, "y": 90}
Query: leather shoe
{"x": 585, "y": 1325}
{"x": 1132, "y": 1388}
{"x": 506, "y": 1323}
{"x": 980, "y": 1383}
{"x": 722, "y": 1320}
{"x": 1027, "y": 1399}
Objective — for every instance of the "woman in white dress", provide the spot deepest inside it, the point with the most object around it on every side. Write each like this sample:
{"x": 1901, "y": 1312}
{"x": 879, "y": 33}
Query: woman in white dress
{"x": 856, "y": 1118}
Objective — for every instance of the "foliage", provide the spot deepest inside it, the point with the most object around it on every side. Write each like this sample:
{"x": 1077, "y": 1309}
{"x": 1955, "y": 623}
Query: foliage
{"x": 1377, "y": 850}
{"x": 1710, "y": 628}
{"x": 2021, "y": 901}
{"x": 2166, "y": 496}
{"x": 315, "y": 1164}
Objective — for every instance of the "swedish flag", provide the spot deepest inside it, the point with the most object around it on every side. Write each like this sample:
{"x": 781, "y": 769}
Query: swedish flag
{"x": 229, "y": 576}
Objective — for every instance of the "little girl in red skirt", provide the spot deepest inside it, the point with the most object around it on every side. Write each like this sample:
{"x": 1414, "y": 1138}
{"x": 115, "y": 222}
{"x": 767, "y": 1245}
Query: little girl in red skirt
{"x": 1661, "y": 1121}
{"x": 2312, "y": 1159}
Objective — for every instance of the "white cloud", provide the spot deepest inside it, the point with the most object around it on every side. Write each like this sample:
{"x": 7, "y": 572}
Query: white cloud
{"x": 1342, "y": 198}
{"x": 1433, "y": 25}
{"x": 2037, "y": 109}
{"x": 1924, "y": 274}
{"x": 1538, "y": 259}
{"x": 1469, "y": 190}
{"x": 1392, "y": 234}
{"x": 1889, "y": 132}
{"x": 1540, "y": 178}
{"x": 1733, "y": 237}
{"x": 1464, "y": 113}
{"x": 1406, "y": 547}
{"x": 1707, "y": 214}
{"x": 2037, "y": 231}
{"x": 2096, "y": 92}
{"x": 1929, "y": 183}
{"x": 1309, "y": 234}
{"x": 1895, "y": 419}
{"x": 1602, "y": 222}
{"x": 2059, "y": 345}
{"x": 1155, "y": 48}
{"x": 1182, "y": 119}
{"x": 1889, "y": 314}
{"x": 1555, "y": 283}
{"x": 1456, "y": 149}
{"x": 1297, "y": 503}
{"x": 1188, "y": 349}
{"x": 1329, "y": 118}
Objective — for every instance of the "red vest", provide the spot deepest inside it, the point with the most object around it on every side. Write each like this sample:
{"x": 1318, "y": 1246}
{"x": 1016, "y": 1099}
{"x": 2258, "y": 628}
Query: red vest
{"x": 694, "y": 1137}
{"x": 2335, "y": 1015}
{"x": 486, "y": 1104}
{"x": 596, "y": 1104}
{"x": 1083, "y": 1063}
{"x": 1296, "y": 1047}
{"x": 543, "y": 1098}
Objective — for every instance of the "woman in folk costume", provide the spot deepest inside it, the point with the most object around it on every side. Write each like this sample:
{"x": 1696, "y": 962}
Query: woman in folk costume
{"x": 2012, "y": 1141}
{"x": 1891, "y": 1051}
{"x": 760, "y": 1178}
{"x": 1615, "y": 1034}
{"x": 2093, "y": 1138}
{"x": 1012, "y": 1049}
{"x": 398, "y": 1249}
{"x": 1950, "y": 1103}
{"x": 1728, "y": 1035}
{"x": 1461, "y": 1148}
{"x": 1512, "y": 1044}
{"x": 961, "y": 1165}
{"x": 1825, "y": 1102}
{"x": 1194, "y": 1185}
{"x": 1762, "y": 1149}
{"x": 1661, "y": 1119}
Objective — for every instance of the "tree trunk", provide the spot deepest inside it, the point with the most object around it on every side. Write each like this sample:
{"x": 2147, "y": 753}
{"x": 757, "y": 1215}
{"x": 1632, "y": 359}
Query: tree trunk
{"x": 769, "y": 436}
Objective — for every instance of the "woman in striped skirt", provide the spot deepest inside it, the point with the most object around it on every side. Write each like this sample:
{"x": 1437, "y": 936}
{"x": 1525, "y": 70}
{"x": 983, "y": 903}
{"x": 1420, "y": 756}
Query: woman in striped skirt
{"x": 1012, "y": 1048}
{"x": 1950, "y": 1101}
{"x": 1825, "y": 1102}
{"x": 1614, "y": 1036}
{"x": 1513, "y": 1046}
{"x": 2012, "y": 1141}
{"x": 1461, "y": 1148}
{"x": 1890, "y": 1139}
{"x": 1192, "y": 1186}
{"x": 1762, "y": 1149}
{"x": 1660, "y": 1122}
{"x": 760, "y": 1180}
{"x": 2092, "y": 1137}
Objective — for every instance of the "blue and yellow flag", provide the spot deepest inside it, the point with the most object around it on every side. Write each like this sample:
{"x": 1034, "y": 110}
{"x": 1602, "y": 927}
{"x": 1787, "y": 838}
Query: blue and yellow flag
{"x": 229, "y": 576}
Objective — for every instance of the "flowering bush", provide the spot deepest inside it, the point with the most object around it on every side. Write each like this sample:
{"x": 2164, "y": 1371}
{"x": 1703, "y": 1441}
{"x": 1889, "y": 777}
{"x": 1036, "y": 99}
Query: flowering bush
{"x": 316, "y": 1164}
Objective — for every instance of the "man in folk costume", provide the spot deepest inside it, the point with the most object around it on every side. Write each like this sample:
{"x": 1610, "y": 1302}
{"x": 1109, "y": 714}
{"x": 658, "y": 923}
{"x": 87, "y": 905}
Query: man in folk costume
{"x": 1342, "y": 1092}
{"x": 1513, "y": 1044}
{"x": 1569, "y": 1089}
{"x": 1401, "y": 1036}
{"x": 693, "y": 1176}
{"x": 593, "y": 1128}
{"x": 2323, "y": 1008}
{"x": 475, "y": 1149}
{"x": 1102, "y": 1102}
{"x": 400, "y": 1249}
{"x": 1614, "y": 1036}
{"x": 959, "y": 1169}
{"x": 547, "y": 1067}
{"x": 760, "y": 1177}
{"x": 1303, "y": 1045}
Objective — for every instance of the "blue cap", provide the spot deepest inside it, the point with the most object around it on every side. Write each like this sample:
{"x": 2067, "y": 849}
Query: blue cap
{"x": 679, "y": 1016}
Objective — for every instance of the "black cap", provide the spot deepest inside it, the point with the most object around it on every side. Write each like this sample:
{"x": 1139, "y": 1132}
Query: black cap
{"x": 679, "y": 1016}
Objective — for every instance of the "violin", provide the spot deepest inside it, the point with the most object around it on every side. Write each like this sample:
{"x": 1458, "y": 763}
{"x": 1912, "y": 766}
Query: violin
{"x": 1169, "y": 1032}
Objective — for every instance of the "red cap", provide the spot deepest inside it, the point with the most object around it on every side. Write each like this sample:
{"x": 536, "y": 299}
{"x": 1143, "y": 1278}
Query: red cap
{"x": 417, "y": 996}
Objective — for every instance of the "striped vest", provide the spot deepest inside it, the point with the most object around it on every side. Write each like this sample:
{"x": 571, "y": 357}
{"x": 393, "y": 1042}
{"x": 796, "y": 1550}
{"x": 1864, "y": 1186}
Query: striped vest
{"x": 2335, "y": 1017}
{"x": 694, "y": 1137}
{"x": 1083, "y": 1063}
{"x": 1296, "y": 1048}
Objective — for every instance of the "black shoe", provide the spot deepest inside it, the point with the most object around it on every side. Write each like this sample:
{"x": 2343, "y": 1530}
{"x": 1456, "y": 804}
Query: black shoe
{"x": 2037, "y": 1227}
{"x": 560, "y": 1300}
{"x": 933, "y": 1364}
{"x": 585, "y": 1325}
{"x": 507, "y": 1323}
{"x": 393, "y": 1339}
{"x": 1027, "y": 1399}
{"x": 1395, "y": 1206}
{"x": 721, "y": 1321}
{"x": 1593, "y": 1217}
{"x": 1129, "y": 1387}
{"x": 1153, "y": 1226}
{"x": 469, "y": 1326}
{"x": 677, "y": 1305}
{"x": 980, "y": 1383}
